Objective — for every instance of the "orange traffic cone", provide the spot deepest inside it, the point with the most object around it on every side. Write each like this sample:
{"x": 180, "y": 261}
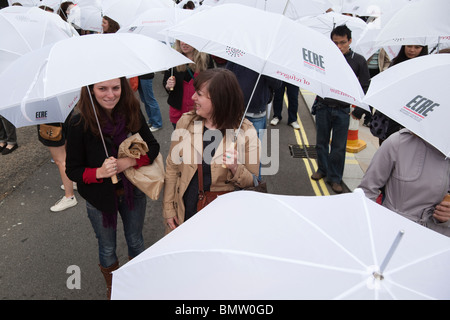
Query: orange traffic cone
{"x": 354, "y": 145}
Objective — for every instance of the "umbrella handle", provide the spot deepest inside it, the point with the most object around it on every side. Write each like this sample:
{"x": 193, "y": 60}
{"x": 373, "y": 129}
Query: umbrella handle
{"x": 114, "y": 179}
{"x": 232, "y": 147}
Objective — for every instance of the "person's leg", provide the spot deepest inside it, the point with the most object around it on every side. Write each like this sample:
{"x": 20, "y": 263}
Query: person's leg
{"x": 69, "y": 200}
{"x": 144, "y": 101}
{"x": 260, "y": 126}
{"x": 323, "y": 133}
{"x": 59, "y": 156}
{"x": 2, "y": 135}
{"x": 341, "y": 120}
{"x": 151, "y": 104}
{"x": 10, "y": 129}
{"x": 292, "y": 93}
{"x": 133, "y": 222}
{"x": 278, "y": 102}
{"x": 106, "y": 237}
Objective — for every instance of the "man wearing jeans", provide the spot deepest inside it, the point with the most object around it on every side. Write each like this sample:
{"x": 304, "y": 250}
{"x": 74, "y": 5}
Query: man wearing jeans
{"x": 333, "y": 116}
{"x": 151, "y": 104}
{"x": 262, "y": 94}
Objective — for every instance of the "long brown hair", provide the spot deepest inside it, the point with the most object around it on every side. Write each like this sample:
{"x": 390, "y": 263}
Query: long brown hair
{"x": 113, "y": 25}
{"x": 128, "y": 106}
{"x": 225, "y": 94}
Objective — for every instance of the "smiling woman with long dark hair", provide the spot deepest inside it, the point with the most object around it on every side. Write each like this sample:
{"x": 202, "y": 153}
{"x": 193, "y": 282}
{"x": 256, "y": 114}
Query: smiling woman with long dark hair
{"x": 120, "y": 116}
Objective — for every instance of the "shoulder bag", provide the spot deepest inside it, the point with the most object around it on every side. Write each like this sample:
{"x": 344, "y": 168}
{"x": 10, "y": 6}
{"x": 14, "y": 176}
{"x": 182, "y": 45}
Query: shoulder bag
{"x": 205, "y": 197}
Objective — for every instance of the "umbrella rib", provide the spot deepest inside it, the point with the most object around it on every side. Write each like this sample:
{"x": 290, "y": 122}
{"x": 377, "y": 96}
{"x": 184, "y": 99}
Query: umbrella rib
{"x": 416, "y": 261}
{"x": 369, "y": 225}
{"x": 320, "y": 230}
{"x": 267, "y": 257}
{"x": 411, "y": 290}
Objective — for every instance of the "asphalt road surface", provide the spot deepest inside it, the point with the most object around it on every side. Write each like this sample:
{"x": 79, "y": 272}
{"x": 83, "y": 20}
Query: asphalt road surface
{"x": 54, "y": 256}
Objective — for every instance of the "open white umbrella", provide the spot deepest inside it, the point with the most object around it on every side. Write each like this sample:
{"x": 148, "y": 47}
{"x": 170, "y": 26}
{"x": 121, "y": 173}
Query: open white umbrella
{"x": 152, "y": 21}
{"x": 249, "y": 245}
{"x": 373, "y": 8}
{"x": 273, "y": 45}
{"x": 422, "y": 22}
{"x": 415, "y": 94}
{"x": 125, "y": 11}
{"x": 293, "y": 9}
{"x": 326, "y": 22}
{"x": 86, "y": 17}
{"x": 65, "y": 66}
{"x": 23, "y": 29}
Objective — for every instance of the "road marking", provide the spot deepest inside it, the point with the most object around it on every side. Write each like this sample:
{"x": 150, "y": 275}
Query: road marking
{"x": 319, "y": 187}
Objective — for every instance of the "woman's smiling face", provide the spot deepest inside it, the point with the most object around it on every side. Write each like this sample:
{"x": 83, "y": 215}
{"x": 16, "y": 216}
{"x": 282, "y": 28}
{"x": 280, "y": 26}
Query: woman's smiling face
{"x": 202, "y": 101}
{"x": 108, "y": 93}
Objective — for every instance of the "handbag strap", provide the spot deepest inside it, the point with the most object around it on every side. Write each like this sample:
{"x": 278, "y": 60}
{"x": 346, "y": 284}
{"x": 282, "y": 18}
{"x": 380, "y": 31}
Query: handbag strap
{"x": 200, "y": 178}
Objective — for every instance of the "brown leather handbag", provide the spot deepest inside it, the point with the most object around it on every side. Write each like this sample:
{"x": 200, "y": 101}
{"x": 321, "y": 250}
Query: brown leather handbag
{"x": 205, "y": 197}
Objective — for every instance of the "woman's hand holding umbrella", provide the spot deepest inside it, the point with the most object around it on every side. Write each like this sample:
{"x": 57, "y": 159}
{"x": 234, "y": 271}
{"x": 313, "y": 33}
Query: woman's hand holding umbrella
{"x": 230, "y": 160}
{"x": 108, "y": 168}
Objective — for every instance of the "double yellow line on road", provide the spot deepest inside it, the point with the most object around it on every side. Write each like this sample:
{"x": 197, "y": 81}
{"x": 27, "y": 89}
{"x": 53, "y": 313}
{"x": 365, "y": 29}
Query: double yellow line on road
{"x": 319, "y": 187}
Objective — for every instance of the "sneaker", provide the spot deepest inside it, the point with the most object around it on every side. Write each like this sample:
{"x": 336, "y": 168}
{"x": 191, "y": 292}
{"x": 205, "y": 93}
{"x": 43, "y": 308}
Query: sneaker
{"x": 295, "y": 125}
{"x": 274, "y": 121}
{"x": 74, "y": 186}
{"x": 64, "y": 203}
{"x": 153, "y": 129}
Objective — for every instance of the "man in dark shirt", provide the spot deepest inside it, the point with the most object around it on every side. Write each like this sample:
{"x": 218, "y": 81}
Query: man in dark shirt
{"x": 333, "y": 116}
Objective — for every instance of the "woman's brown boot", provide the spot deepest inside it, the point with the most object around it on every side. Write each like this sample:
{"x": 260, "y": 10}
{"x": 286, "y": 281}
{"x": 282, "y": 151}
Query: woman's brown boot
{"x": 108, "y": 276}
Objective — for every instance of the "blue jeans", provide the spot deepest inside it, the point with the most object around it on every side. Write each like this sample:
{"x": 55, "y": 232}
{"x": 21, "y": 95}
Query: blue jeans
{"x": 259, "y": 124}
{"x": 151, "y": 104}
{"x": 292, "y": 94}
{"x": 133, "y": 223}
{"x": 331, "y": 161}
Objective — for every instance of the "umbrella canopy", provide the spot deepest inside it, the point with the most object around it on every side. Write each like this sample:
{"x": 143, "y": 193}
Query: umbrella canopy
{"x": 374, "y": 8}
{"x": 422, "y": 22}
{"x": 273, "y": 45}
{"x": 152, "y": 21}
{"x": 86, "y": 17}
{"x": 250, "y": 245}
{"x": 125, "y": 11}
{"x": 326, "y": 22}
{"x": 66, "y": 66}
{"x": 293, "y": 9}
{"x": 23, "y": 29}
{"x": 413, "y": 94}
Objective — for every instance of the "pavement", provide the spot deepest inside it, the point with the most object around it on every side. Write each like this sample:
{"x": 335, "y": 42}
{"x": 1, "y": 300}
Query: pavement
{"x": 355, "y": 163}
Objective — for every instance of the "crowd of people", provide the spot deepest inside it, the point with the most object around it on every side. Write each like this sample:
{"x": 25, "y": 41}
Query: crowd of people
{"x": 208, "y": 98}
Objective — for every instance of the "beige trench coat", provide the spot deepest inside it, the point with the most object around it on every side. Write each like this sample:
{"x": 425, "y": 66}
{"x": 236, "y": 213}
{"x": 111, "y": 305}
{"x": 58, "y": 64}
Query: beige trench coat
{"x": 186, "y": 148}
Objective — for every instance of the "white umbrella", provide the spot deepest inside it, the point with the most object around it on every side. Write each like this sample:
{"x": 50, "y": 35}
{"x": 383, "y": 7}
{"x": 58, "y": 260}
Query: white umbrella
{"x": 249, "y": 245}
{"x": 326, "y": 22}
{"x": 414, "y": 94}
{"x": 273, "y": 45}
{"x": 422, "y": 22}
{"x": 125, "y": 11}
{"x": 23, "y": 29}
{"x": 86, "y": 17}
{"x": 374, "y": 8}
{"x": 293, "y": 9}
{"x": 152, "y": 21}
{"x": 66, "y": 66}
